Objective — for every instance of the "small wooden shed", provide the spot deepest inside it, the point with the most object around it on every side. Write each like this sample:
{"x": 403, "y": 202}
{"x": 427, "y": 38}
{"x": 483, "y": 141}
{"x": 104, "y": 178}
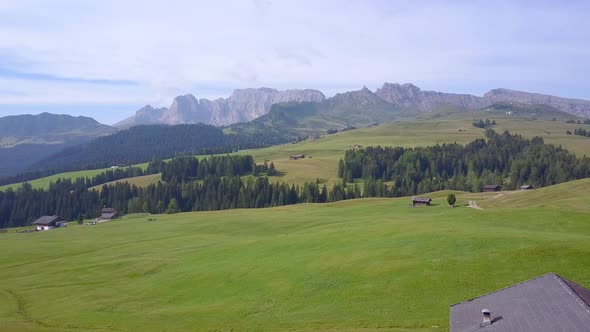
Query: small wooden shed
{"x": 526, "y": 187}
{"x": 421, "y": 201}
{"x": 491, "y": 188}
{"x": 297, "y": 156}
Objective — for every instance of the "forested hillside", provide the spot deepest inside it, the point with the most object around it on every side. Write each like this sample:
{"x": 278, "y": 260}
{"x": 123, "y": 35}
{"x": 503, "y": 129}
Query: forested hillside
{"x": 505, "y": 159}
{"x": 145, "y": 143}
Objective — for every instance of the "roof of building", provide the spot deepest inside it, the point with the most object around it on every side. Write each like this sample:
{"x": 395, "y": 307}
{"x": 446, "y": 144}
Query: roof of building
{"x": 422, "y": 199}
{"x": 491, "y": 186}
{"x": 108, "y": 215}
{"x": 546, "y": 303}
{"x": 108, "y": 210}
{"x": 526, "y": 186}
{"x": 47, "y": 220}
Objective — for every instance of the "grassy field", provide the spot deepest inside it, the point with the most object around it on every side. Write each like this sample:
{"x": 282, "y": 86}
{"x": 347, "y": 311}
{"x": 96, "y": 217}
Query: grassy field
{"x": 140, "y": 181}
{"x": 362, "y": 265}
{"x": 432, "y": 128}
{"x": 44, "y": 182}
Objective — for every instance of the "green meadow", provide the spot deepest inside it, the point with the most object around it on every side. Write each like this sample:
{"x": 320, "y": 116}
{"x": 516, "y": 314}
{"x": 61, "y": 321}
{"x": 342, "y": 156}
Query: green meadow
{"x": 361, "y": 265}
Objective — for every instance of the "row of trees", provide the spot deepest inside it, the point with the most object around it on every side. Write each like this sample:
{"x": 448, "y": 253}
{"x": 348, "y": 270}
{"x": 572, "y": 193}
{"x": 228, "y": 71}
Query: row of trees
{"x": 582, "y": 132}
{"x": 586, "y": 121}
{"x": 190, "y": 168}
{"x": 484, "y": 124}
{"x": 505, "y": 159}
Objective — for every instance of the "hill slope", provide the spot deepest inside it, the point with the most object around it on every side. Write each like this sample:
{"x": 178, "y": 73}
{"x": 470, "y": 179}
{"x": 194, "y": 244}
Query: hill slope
{"x": 26, "y": 139}
{"x": 363, "y": 265}
{"x": 47, "y": 128}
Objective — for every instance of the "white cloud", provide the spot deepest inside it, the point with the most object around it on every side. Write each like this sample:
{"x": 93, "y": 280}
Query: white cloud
{"x": 169, "y": 47}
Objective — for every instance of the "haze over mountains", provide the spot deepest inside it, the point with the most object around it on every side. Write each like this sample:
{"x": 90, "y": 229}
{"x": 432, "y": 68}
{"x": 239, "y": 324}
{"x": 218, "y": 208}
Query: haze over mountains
{"x": 248, "y": 104}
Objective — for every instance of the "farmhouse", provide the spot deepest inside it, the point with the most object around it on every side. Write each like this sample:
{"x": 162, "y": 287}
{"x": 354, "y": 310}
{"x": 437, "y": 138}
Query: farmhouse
{"x": 526, "y": 187}
{"x": 108, "y": 214}
{"x": 48, "y": 222}
{"x": 491, "y": 188}
{"x": 546, "y": 303}
{"x": 421, "y": 201}
{"x": 297, "y": 156}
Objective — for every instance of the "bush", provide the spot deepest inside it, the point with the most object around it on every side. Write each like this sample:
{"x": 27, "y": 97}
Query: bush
{"x": 451, "y": 199}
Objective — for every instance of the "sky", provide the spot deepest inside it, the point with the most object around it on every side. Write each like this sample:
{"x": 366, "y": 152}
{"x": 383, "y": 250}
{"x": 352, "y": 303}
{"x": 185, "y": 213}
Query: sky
{"x": 108, "y": 58}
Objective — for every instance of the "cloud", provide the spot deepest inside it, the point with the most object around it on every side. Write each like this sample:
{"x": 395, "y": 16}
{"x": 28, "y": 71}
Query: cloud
{"x": 130, "y": 52}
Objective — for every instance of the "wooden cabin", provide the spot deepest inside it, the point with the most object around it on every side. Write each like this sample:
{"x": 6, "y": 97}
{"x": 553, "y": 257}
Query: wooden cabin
{"x": 297, "y": 156}
{"x": 491, "y": 188}
{"x": 421, "y": 201}
{"x": 526, "y": 187}
{"x": 48, "y": 222}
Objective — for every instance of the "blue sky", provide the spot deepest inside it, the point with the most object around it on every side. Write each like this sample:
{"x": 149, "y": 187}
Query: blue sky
{"x": 107, "y": 58}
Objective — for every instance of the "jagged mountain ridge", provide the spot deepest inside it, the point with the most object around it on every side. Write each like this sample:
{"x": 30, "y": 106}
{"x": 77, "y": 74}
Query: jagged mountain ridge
{"x": 248, "y": 104}
{"x": 409, "y": 95}
{"x": 243, "y": 105}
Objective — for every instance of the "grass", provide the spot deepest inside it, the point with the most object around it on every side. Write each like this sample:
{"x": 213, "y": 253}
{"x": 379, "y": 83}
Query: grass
{"x": 362, "y": 265}
{"x": 140, "y": 181}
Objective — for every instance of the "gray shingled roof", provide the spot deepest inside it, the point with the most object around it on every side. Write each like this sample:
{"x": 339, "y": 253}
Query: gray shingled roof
{"x": 47, "y": 220}
{"x": 491, "y": 186}
{"x": 545, "y": 303}
{"x": 109, "y": 210}
{"x": 421, "y": 199}
{"x": 108, "y": 215}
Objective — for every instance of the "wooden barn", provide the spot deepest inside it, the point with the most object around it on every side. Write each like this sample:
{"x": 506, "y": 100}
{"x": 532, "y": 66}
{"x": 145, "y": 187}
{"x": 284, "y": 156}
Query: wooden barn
{"x": 526, "y": 187}
{"x": 421, "y": 201}
{"x": 108, "y": 214}
{"x": 297, "y": 156}
{"x": 491, "y": 188}
{"x": 48, "y": 222}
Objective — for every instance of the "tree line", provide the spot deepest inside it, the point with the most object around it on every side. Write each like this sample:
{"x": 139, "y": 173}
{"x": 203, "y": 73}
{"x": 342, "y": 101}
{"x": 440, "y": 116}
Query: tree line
{"x": 504, "y": 159}
{"x": 581, "y": 132}
{"x": 484, "y": 124}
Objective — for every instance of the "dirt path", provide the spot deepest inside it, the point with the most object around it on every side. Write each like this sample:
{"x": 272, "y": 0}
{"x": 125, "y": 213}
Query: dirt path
{"x": 473, "y": 205}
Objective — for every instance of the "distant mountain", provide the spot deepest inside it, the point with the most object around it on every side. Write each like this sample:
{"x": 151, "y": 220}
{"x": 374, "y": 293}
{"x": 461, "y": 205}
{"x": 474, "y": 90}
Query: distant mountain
{"x": 243, "y": 105}
{"x": 47, "y": 128}
{"x": 409, "y": 95}
{"x": 145, "y": 115}
{"x": 577, "y": 107}
{"x": 359, "y": 108}
{"x": 26, "y": 139}
{"x": 247, "y": 104}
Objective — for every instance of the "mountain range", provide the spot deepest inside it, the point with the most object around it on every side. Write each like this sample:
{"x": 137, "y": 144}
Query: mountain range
{"x": 242, "y": 106}
{"x": 248, "y": 104}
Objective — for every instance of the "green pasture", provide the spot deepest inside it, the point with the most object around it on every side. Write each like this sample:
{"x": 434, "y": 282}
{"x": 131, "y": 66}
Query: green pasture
{"x": 361, "y": 265}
